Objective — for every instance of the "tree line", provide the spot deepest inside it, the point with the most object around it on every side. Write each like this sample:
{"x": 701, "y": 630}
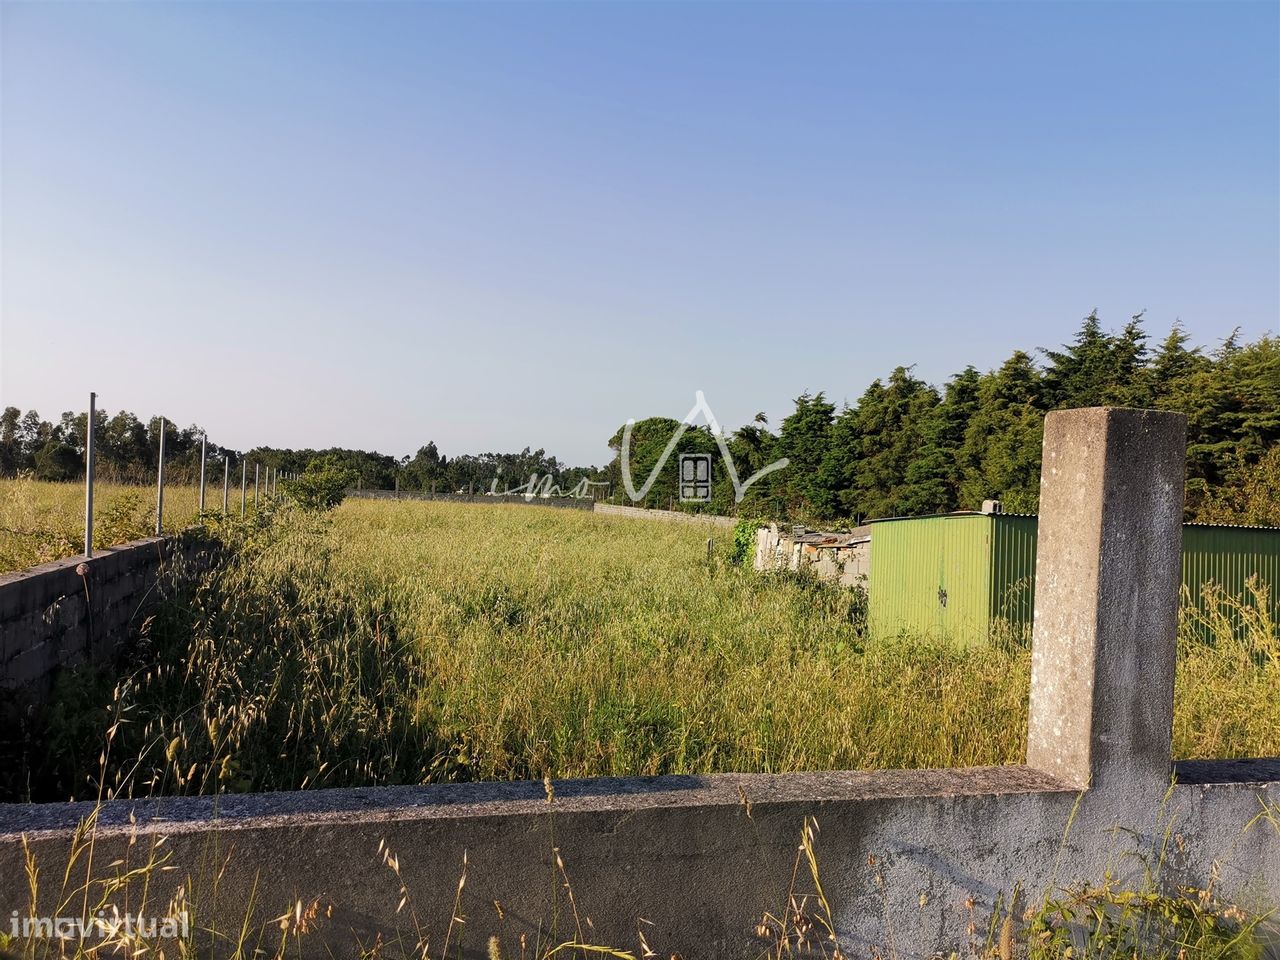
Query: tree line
{"x": 909, "y": 448}
{"x": 903, "y": 448}
{"x": 127, "y": 450}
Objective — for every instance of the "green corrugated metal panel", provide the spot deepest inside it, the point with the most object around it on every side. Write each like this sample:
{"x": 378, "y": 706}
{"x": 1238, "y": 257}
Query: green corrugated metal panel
{"x": 986, "y": 566}
{"x": 1228, "y": 557}
{"x": 1013, "y": 573}
{"x": 899, "y": 554}
{"x": 940, "y": 573}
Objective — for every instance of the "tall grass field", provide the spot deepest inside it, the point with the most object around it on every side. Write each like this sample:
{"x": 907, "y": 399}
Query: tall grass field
{"x": 40, "y": 522}
{"x": 407, "y": 641}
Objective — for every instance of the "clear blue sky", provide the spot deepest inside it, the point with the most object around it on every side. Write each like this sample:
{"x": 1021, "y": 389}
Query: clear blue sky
{"x": 496, "y": 225}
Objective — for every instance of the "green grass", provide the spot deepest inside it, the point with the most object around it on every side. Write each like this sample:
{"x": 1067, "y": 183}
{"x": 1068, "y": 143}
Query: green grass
{"x": 392, "y": 642}
{"x": 406, "y": 642}
{"x": 40, "y": 522}
{"x": 409, "y": 642}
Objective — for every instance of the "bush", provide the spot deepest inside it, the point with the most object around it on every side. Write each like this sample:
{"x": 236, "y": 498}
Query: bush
{"x": 322, "y": 486}
{"x": 57, "y": 461}
{"x": 744, "y": 541}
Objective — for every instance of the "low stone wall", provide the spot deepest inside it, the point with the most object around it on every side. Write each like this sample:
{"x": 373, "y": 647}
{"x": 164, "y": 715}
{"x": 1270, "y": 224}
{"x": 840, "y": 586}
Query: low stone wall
{"x": 674, "y": 516}
{"x": 843, "y": 558}
{"x": 564, "y": 503}
{"x": 74, "y": 611}
{"x": 913, "y": 862}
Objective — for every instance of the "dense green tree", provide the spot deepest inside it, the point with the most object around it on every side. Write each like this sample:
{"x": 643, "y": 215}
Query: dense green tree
{"x": 1000, "y": 456}
{"x": 1097, "y": 368}
{"x": 426, "y": 471}
{"x": 322, "y": 485}
{"x": 1250, "y": 494}
{"x": 753, "y": 448}
{"x": 58, "y": 461}
{"x": 123, "y": 443}
{"x": 649, "y": 438}
{"x": 10, "y": 442}
{"x": 1233, "y": 411}
{"x": 933, "y": 471}
{"x": 893, "y": 423}
{"x": 1167, "y": 382}
{"x": 804, "y": 439}
{"x": 33, "y": 433}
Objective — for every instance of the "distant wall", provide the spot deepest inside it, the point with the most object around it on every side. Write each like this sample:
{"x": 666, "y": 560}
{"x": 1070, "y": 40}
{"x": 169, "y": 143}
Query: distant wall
{"x": 74, "y": 611}
{"x": 675, "y": 516}
{"x": 564, "y": 503}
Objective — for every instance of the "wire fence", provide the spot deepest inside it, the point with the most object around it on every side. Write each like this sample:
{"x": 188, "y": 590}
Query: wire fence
{"x": 266, "y": 479}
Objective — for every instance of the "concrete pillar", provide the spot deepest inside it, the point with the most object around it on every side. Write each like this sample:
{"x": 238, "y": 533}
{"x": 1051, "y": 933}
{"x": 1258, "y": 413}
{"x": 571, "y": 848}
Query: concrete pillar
{"x": 1108, "y": 574}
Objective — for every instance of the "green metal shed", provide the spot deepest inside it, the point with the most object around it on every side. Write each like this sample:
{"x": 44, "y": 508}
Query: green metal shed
{"x": 970, "y": 577}
{"x": 951, "y": 576}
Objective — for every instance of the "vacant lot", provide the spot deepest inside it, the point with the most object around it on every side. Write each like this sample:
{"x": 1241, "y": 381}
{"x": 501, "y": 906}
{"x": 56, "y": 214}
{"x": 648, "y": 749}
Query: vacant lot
{"x": 409, "y": 641}
{"x": 40, "y": 522}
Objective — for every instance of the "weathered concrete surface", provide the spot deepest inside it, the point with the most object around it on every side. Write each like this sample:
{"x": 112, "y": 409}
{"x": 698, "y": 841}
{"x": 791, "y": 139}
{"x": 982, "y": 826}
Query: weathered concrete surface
{"x": 1108, "y": 571}
{"x": 73, "y": 611}
{"x": 902, "y": 853}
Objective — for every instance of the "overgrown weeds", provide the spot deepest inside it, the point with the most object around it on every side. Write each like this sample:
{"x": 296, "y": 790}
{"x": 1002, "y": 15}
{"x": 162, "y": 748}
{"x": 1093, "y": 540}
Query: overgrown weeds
{"x": 40, "y": 522}
{"x": 433, "y": 642}
{"x": 408, "y": 642}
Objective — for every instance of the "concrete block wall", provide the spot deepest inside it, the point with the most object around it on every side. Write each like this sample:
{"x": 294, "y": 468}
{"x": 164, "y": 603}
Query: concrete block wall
{"x": 74, "y": 611}
{"x": 913, "y": 861}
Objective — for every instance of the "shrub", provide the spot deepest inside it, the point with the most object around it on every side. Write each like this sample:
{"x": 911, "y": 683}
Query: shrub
{"x": 322, "y": 486}
{"x": 744, "y": 540}
{"x": 57, "y": 461}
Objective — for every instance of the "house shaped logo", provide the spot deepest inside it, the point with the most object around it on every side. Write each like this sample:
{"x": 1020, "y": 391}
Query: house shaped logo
{"x": 700, "y": 406}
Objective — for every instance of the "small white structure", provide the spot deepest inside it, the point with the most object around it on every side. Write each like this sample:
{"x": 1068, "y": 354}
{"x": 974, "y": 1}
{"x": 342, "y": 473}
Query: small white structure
{"x": 843, "y": 558}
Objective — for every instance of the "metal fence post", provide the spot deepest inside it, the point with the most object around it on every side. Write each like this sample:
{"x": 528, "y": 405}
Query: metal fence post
{"x": 256, "y": 467}
{"x": 204, "y": 446}
{"x": 226, "y": 480}
{"x": 244, "y": 481}
{"x": 160, "y": 483}
{"x": 88, "y": 479}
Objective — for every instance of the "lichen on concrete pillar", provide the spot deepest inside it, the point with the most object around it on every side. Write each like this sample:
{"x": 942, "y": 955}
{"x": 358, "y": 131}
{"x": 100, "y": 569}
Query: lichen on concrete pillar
{"x": 1108, "y": 575}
